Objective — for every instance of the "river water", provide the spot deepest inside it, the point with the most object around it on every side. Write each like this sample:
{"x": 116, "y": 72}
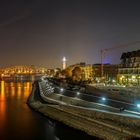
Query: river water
{"x": 19, "y": 122}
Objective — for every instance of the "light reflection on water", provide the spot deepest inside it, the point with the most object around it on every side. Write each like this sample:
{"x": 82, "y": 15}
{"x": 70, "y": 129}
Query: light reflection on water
{"x": 10, "y": 91}
{"x": 2, "y": 107}
{"x": 18, "y": 121}
{"x": 15, "y": 90}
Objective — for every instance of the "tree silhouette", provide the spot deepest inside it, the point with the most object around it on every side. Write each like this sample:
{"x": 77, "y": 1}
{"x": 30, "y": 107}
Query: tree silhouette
{"x": 76, "y": 74}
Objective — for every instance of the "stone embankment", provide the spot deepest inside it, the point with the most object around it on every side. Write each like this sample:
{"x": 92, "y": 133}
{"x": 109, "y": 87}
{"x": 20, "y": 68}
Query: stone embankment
{"x": 104, "y": 125}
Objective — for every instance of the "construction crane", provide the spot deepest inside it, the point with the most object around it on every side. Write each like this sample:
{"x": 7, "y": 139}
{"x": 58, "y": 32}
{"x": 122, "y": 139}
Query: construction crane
{"x": 102, "y": 51}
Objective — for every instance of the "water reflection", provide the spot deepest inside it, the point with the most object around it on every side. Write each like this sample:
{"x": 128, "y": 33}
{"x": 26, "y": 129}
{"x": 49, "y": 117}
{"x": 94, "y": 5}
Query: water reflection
{"x": 2, "y": 88}
{"x": 18, "y": 90}
{"x": 18, "y": 121}
{"x": 12, "y": 96}
{"x": 2, "y": 107}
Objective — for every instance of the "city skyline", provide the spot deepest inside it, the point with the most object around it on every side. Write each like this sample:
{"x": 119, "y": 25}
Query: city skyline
{"x": 41, "y": 32}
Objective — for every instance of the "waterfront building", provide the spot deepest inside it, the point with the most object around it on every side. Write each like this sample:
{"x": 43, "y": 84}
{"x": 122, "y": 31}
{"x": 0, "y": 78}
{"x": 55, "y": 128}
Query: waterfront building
{"x": 129, "y": 69}
{"x": 80, "y": 71}
{"x": 110, "y": 72}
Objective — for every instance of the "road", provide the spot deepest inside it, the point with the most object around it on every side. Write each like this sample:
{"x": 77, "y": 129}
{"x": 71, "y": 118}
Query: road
{"x": 122, "y": 106}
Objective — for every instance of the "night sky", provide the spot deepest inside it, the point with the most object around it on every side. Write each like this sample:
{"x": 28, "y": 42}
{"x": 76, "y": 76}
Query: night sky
{"x": 41, "y": 32}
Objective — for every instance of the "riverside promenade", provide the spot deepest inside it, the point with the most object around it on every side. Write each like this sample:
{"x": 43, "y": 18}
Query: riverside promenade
{"x": 95, "y": 121}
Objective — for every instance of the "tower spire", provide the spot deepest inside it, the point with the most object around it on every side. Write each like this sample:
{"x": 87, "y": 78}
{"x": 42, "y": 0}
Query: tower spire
{"x": 64, "y": 62}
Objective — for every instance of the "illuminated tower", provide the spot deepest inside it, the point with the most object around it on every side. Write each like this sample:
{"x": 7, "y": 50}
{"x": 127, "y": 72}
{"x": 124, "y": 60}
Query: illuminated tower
{"x": 64, "y": 62}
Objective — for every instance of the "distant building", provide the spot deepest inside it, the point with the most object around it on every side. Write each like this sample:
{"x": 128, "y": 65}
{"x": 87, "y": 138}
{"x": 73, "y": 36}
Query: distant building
{"x": 129, "y": 69}
{"x": 81, "y": 71}
{"x": 92, "y": 72}
{"x": 110, "y": 72}
{"x": 87, "y": 72}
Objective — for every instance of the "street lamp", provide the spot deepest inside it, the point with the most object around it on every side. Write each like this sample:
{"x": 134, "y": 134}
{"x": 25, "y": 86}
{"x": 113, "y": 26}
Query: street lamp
{"x": 103, "y": 99}
{"x": 61, "y": 89}
{"x": 78, "y": 93}
{"x": 138, "y": 105}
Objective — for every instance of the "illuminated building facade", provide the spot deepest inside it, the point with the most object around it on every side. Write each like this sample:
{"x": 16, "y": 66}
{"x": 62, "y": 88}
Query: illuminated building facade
{"x": 129, "y": 70}
{"x": 110, "y": 72}
{"x": 85, "y": 71}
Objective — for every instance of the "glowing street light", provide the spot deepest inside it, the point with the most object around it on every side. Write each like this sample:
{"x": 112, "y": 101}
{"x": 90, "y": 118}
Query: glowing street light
{"x": 103, "y": 99}
{"x": 61, "y": 89}
{"x": 78, "y": 93}
{"x": 138, "y": 105}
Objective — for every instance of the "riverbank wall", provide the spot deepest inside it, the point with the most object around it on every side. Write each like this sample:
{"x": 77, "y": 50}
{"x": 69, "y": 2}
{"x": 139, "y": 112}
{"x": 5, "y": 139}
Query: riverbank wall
{"x": 97, "y": 123}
